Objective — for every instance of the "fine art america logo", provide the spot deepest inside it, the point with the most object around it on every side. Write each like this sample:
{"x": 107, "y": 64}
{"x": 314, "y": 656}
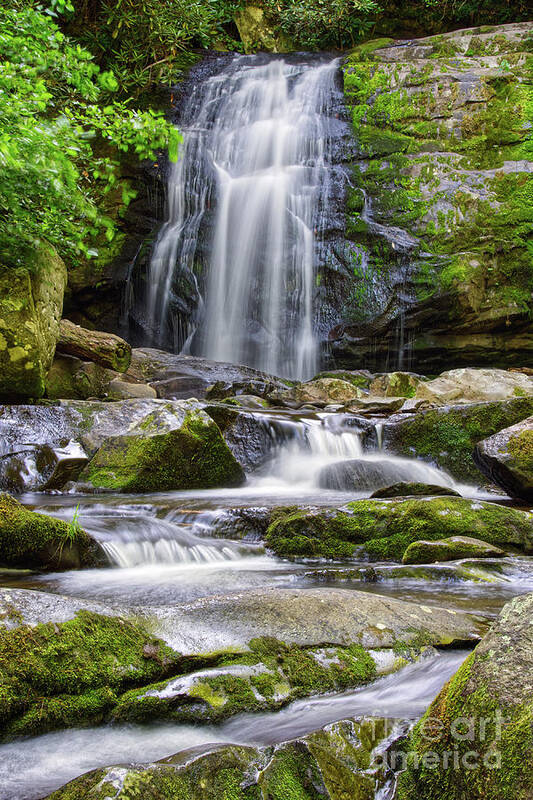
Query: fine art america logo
{"x": 465, "y": 743}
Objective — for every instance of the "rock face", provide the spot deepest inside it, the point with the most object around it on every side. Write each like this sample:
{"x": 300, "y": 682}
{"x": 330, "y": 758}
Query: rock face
{"x": 384, "y": 528}
{"x": 485, "y": 710}
{"x": 134, "y": 444}
{"x": 31, "y": 304}
{"x": 340, "y": 761}
{"x": 31, "y": 540}
{"x": 507, "y": 459}
{"x": 447, "y": 436}
{"x": 441, "y": 196}
{"x": 451, "y": 549}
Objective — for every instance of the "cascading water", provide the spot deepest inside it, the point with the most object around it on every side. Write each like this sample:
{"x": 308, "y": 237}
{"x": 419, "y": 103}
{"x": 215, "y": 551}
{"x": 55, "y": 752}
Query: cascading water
{"x": 256, "y": 149}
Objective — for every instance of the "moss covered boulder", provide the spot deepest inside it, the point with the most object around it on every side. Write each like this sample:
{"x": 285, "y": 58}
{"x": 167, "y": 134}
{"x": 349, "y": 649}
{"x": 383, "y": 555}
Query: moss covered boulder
{"x": 447, "y": 436}
{"x": 31, "y": 540}
{"x": 384, "y": 529}
{"x": 31, "y": 304}
{"x": 507, "y": 459}
{"x": 451, "y": 549}
{"x": 172, "y": 448}
{"x": 340, "y": 761}
{"x": 476, "y": 739}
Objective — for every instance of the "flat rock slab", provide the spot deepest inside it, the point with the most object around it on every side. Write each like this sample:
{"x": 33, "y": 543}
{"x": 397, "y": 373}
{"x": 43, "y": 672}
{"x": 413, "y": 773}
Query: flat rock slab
{"x": 304, "y": 617}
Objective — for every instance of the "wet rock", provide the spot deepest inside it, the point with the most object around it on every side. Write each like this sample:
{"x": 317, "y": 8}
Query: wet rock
{"x": 447, "y": 436}
{"x": 176, "y": 446}
{"x": 41, "y": 467}
{"x": 482, "y": 718}
{"x": 248, "y": 523}
{"x": 31, "y": 540}
{"x": 507, "y": 459}
{"x": 342, "y": 760}
{"x": 250, "y": 437}
{"x": 407, "y": 489}
{"x": 31, "y": 304}
{"x": 376, "y": 405}
{"x": 473, "y": 386}
{"x": 383, "y": 529}
{"x": 452, "y": 549}
{"x": 364, "y": 474}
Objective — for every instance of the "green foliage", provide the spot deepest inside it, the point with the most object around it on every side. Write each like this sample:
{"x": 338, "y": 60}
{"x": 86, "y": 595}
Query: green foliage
{"x": 56, "y": 109}
{"x": 322, "y": 24}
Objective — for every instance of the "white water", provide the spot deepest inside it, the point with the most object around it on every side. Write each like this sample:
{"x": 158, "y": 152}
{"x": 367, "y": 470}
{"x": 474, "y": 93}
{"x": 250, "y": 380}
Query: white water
{"x": 34, "y": 767}
{"x": 256, "y": 142}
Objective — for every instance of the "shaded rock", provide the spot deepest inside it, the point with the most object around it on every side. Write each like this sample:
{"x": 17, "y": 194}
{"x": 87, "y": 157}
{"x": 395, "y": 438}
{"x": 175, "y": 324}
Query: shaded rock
{"x": 412, "y": 489}
{"x": 257, "y": 33}
{"x": 361, "y": 378}
{"x": 364, "y": 474}
{"x": 376, "y": 405}
{"x": 343, "y": 760}
{"x": 447, "y": 436}
{"x": 176, "y": 446}
{"x": 473, "y": 386}
{"x": 507, "y": 459}
{"x": 126, "y": 390}
{"x": 237, "y": 389}
{"x": 32, "y": 540}
{"x": 452, "y": 549}
{"x": 250, "y": 437}
{"x": 70, "y": 378}
{"x": 485, "y": 710}
{"x": 181, "y": 377}
{"x": 383, "y": 529}
{"x": 31, "y": 304}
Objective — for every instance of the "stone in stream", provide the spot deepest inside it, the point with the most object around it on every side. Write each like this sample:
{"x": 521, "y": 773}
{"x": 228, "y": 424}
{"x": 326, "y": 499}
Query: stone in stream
{"x": 452, "y": 549}
{"x": 364, "y": 474}
{"x": 215, "y": 657}
{"x": 482, "y": 719}
{"x": 507, "y": 459}
{"x": 31, "y": 540}
{"x": 134, "y": 436}
{"x": 408, "y": 489}
{"x": 383, "y": 529}
{"x": 447, "y": 436}
{"x": 31, "y": 304}
{"x": 38, "y": 468}
{"x": 341, "y": 761}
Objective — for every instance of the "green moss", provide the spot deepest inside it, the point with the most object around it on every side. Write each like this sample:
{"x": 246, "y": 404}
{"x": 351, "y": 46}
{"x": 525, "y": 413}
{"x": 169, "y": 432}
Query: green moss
{"x": 450, "y": 549}
{"x": 62, "y": 674}
{"x": 384, "y": 529}
{"x": 28, "y": 539}
{"x": 520, "y": 447}
{"x": 195, "y": 456}
{"x": 448, "y": 436}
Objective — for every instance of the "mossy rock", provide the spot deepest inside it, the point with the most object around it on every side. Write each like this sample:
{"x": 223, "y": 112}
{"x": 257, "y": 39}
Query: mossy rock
{"x": 414, "y": 489}
{"x": 31, "y": 540}
{"x": 507, "y": 459}
{"x": 188, "y": 455}
{"x": 447, "y": 436}
{"x": 451, "y": 549}
{"x": 31, "y": 304}
{"x": 476, "y": 739}
{"x": 384, "y": 529}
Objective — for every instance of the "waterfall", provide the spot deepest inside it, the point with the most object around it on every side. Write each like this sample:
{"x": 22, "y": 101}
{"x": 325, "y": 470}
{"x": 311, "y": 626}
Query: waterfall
{"x": 244, "y": 211}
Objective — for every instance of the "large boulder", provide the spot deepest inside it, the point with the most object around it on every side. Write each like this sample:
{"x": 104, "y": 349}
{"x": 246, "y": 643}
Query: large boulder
{"x": 473, "y": 386}
{"x": 476, "y": 739}
{"x": 36, "y": 541}
{"x": 384, "y": 528}
{"x": 507, "y": 459}
{"x": 31, "y": 304}
{"x": 177, "y": 446}
{"x": 447, "y": 436}
{"x": 364, "y": 474}
{"x": 320, "y": 392}
{"x": 451, "y": 549}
